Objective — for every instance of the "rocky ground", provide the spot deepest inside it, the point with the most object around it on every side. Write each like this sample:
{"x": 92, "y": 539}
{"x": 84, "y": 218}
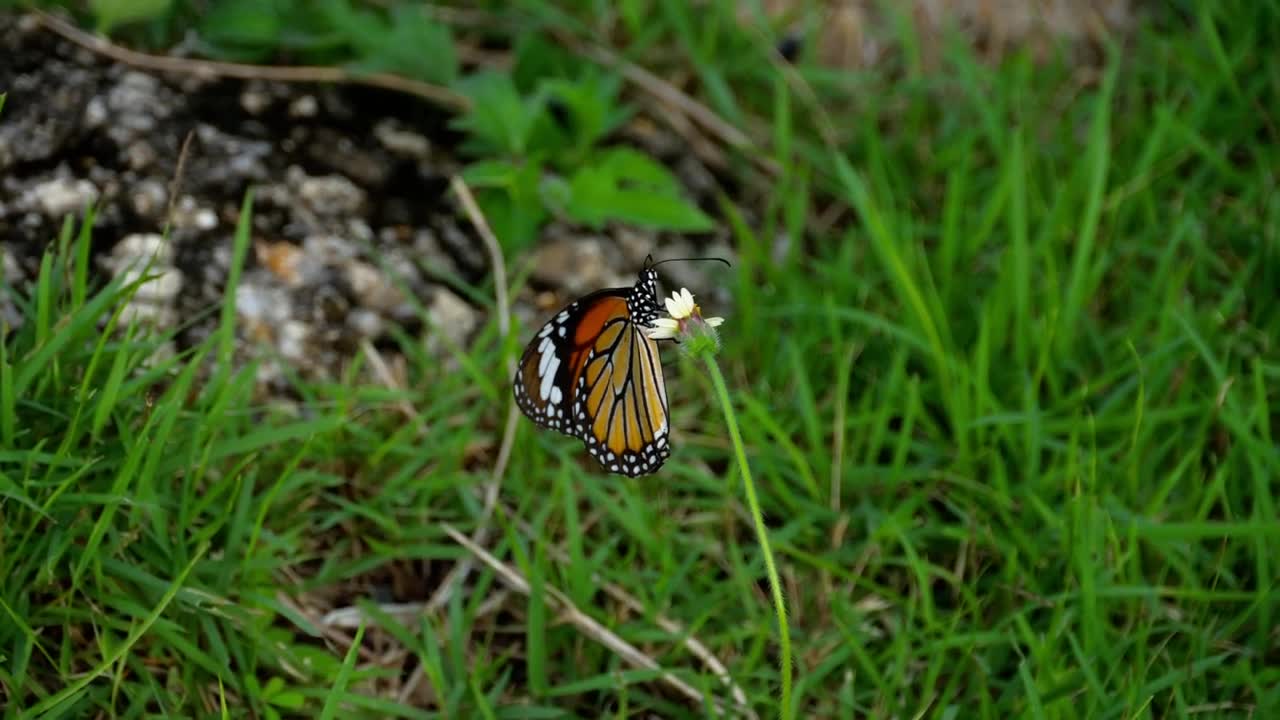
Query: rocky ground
{"x": 354, "y": 228}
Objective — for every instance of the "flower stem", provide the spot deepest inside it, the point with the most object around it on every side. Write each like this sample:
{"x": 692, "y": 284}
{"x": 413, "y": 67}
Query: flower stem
{"x": 775, "y": 586}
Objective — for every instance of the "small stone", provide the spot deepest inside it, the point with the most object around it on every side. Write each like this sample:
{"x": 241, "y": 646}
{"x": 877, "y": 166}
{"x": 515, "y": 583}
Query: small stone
{"x": 134, "y": 102}
{"x": 431, "y": 254}
{"x": 329, "y": 249}
{"x": 258, "y": 302}
{"x": 147, "y": 256}
{"x": 578, "y": 265}
{"x": 140, "y": 248}
{"x": 162, "y": 288}
{"x": 10, "y": 272}
{"x": 145, "y": 313}
{"x": 289, "y": 263}
{"x": 404, "y": 268}
{"x": 254, "y": 99}
{"x": 148, "y": 198}
{"x": 365, "y": 323}
{"x": 400, "y": 141}
{"x": 248, "y": 165}
{"x": 304, "y": 107}
{"x": 221, "y": 259}
{"x": 329, "y": 149}
{"x": 452, "y": 318}
{"x": 131, "y": 112}
{"x": 10, "y": 275}
{"x": 371, "y": 288}
{"x": 292, "y": 340}
{"x": 96, "y": 113}
{"x": 140, "y": 155}
{"x": 225, "y": 161}
{"x": 269, "y": 372}
{"x": 62, "y": 196}
{"x": 330, "y": 195}
{"x": 188, "y": 215}
{"x": 359, "y": 230}
{"x": 467, "y": 251}
{"x": 205, "y": 219}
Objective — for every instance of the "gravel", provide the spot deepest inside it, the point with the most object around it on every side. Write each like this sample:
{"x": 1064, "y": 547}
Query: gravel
{"x": 354, "y": 232}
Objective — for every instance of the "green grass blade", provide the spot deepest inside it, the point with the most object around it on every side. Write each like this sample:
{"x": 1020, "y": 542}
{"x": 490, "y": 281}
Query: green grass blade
{"x": 338, "y": 695}
{"x": 77, "y": 686}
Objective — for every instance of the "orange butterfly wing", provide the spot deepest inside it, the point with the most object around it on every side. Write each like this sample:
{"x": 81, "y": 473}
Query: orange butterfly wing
{"x": 590, "y": 372}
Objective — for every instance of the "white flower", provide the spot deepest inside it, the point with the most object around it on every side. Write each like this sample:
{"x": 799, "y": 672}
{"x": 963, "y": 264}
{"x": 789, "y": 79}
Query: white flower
{"x": 685, "y": 317}
{"x": 663, "y": 329}
{"x": 681, "y": 304}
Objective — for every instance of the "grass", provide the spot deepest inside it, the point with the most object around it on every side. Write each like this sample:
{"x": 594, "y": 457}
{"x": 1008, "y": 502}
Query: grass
{"x": 1012, "y": 422}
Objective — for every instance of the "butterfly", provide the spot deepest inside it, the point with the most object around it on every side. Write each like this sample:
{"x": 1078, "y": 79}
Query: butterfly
{"x": 593, "y": 373}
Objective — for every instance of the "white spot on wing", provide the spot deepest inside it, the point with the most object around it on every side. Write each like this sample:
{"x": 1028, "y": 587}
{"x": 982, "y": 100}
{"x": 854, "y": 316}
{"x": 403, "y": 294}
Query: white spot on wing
{"x": 549, "y": 377}
{"x": 548, "y": 354}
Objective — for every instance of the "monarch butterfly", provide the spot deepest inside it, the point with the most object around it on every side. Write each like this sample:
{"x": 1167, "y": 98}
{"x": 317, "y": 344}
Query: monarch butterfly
{"x": 592, "y": 373}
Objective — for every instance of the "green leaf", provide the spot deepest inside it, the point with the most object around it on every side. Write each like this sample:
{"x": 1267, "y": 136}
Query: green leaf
{"x": 592, "y": 105}
{"x": 537, "y": 58}
{"x": 318, "y": 661}
{"x": 640, "y": 169}
{"x": 500, "y": 120}
{"x": 112, "y": 13}
{"x": 490, "y": 174}
{"x": 408, "y": 43}
{"x": 253, "y": 24}
{"x": 273, "y": 686}
{"x": 277, "y": 694}
{"x": 417, "y": 47}
{"x": 363, "y": 30}
{"x": 515, "y": 209}
{"x": 626, "y": 186}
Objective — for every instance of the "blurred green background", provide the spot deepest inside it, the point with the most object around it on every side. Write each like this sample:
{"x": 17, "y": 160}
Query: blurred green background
{"x": 1001, "y": 334}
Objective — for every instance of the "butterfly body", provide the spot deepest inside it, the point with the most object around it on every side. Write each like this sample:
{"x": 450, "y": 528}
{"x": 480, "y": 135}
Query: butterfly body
{"x": 591, "y": 372}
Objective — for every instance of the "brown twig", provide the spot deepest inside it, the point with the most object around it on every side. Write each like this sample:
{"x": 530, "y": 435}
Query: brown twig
{"x": 491, "y": 245}
{"x": 691, "y": 643}
{"x": 282, "y": 73}
{"x": 481, "y": 534}
{"x": 383, "y": 371}
{"x": 586, "y": 624}
{"x": 350, "y": 617}
{"x": 178, "y": 172}
{"x": 334, "y": 635}
{"x": 458, "y": 574}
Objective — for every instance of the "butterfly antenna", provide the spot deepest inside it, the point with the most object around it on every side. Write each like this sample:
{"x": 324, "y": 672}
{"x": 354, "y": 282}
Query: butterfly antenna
{"x": 649, "y": 264}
